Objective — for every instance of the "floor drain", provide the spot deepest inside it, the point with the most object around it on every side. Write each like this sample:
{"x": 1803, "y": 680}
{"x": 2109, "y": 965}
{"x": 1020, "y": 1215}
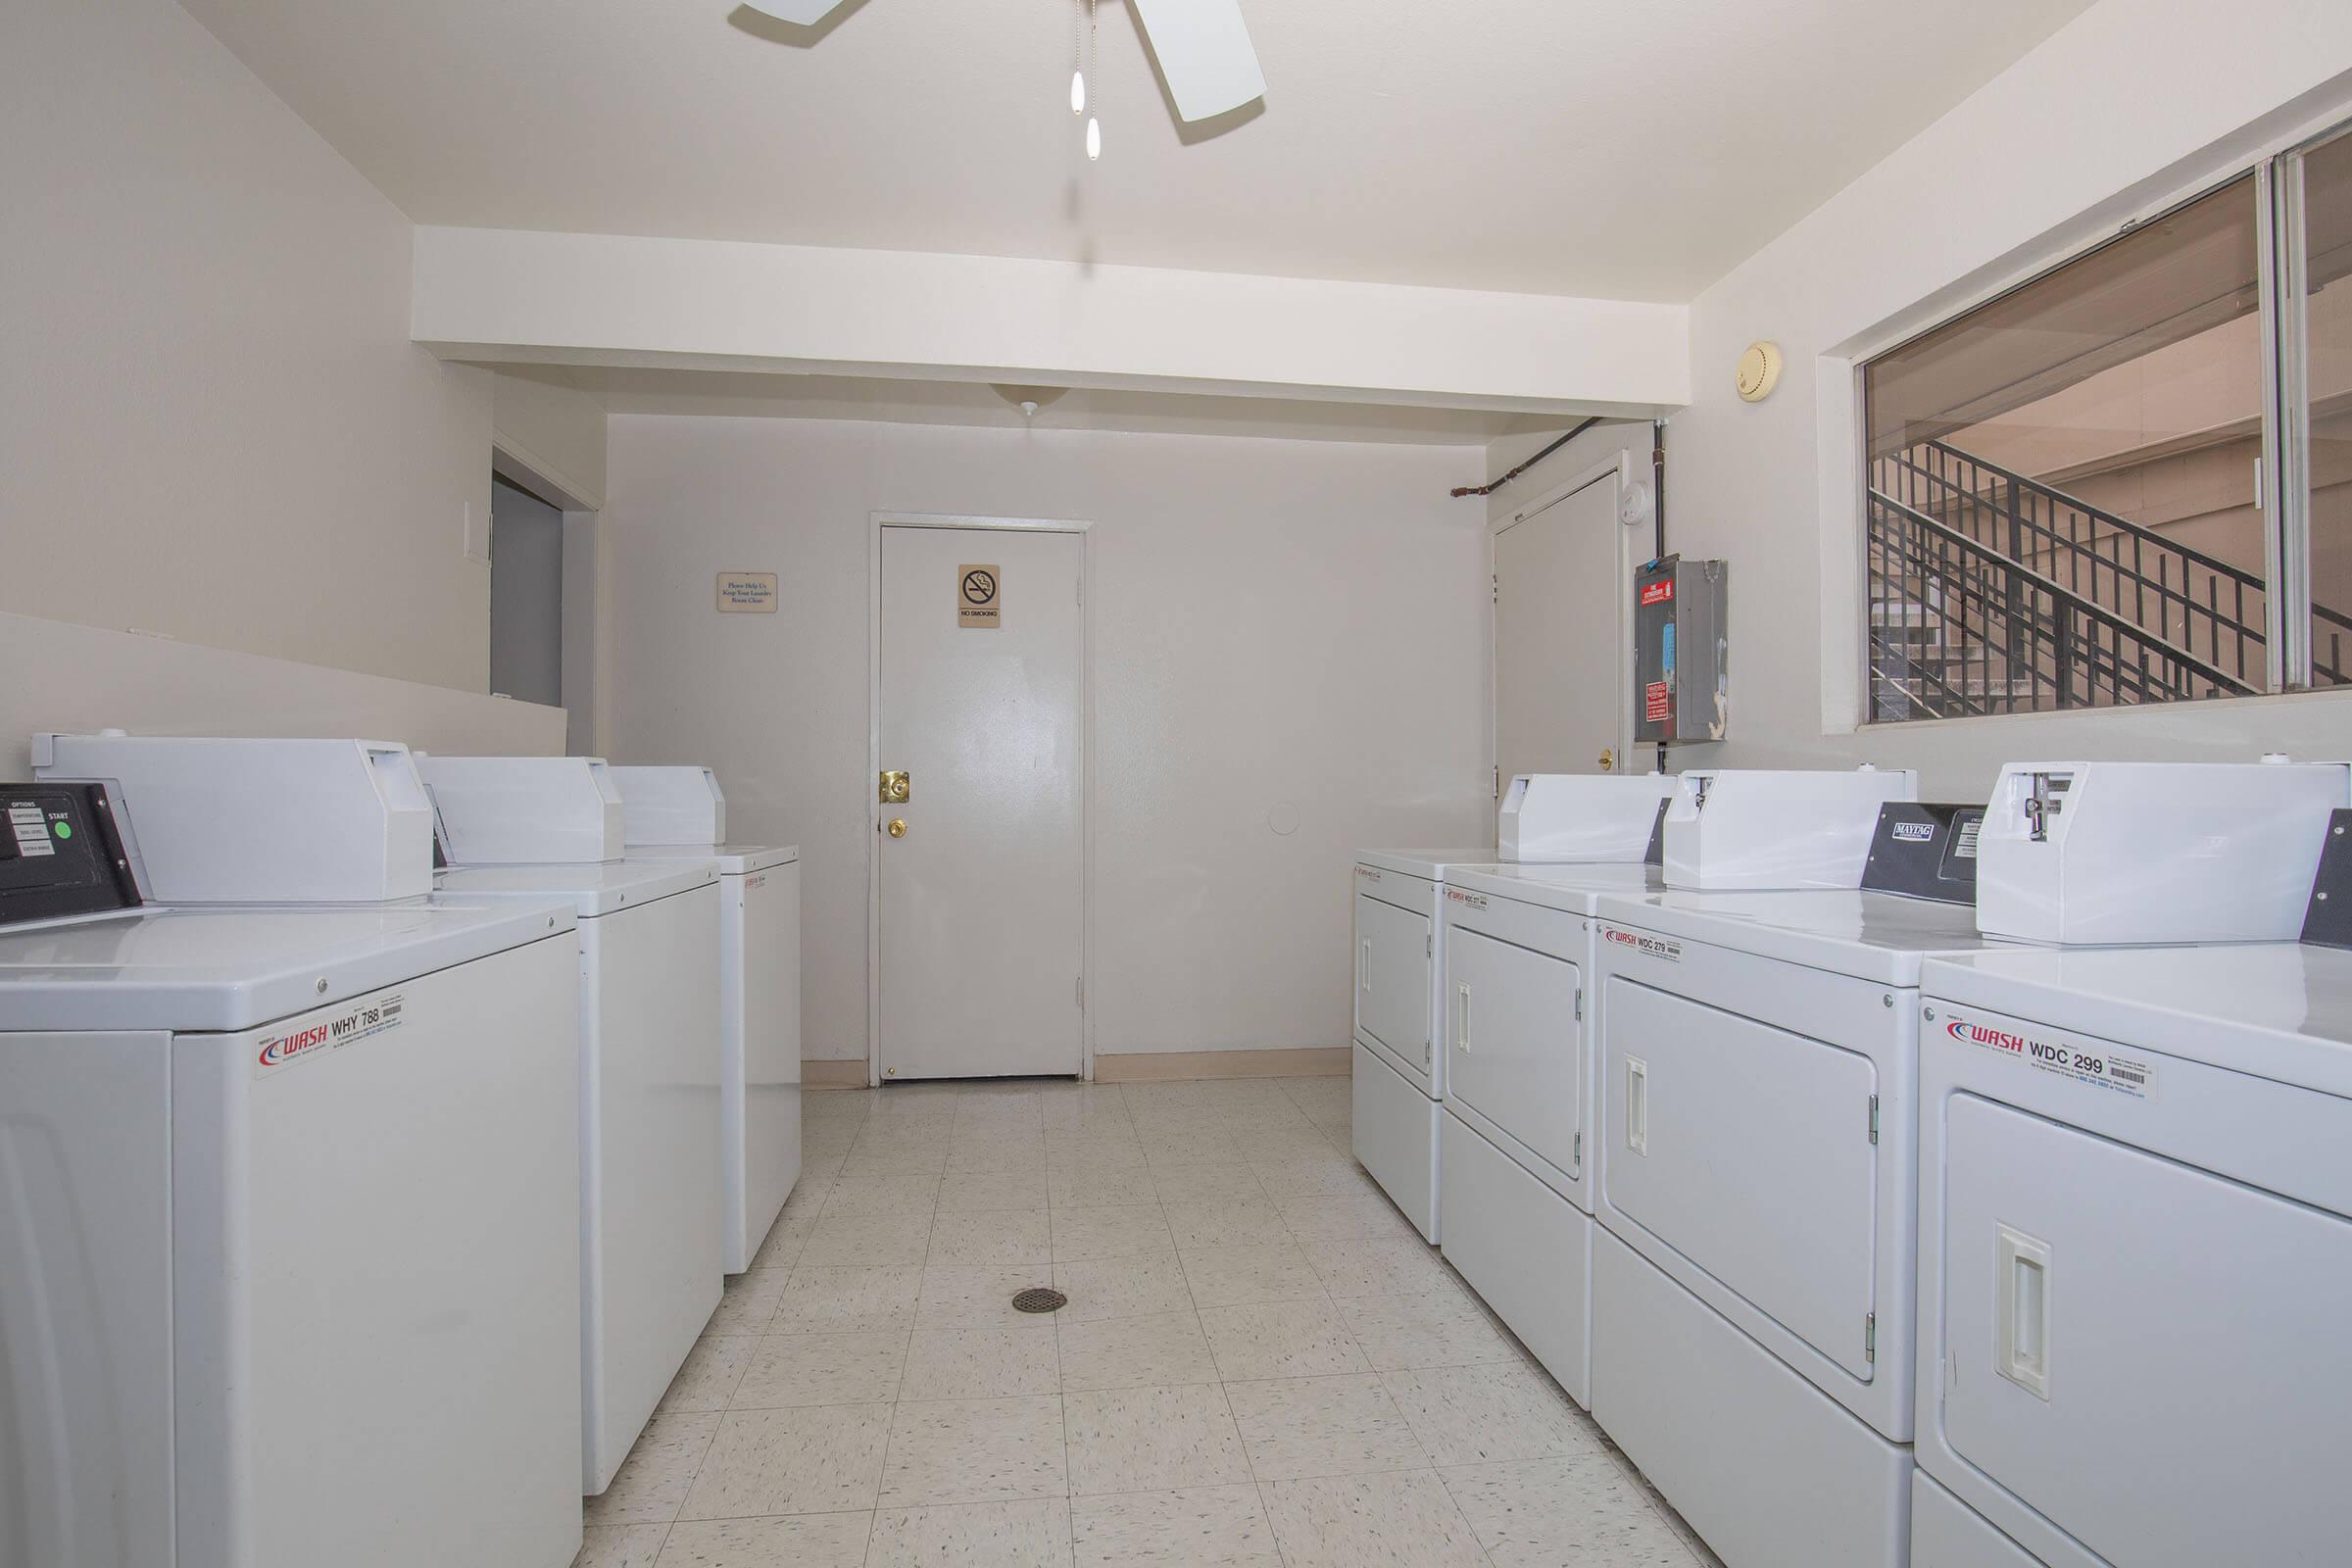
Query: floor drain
{"x": 1040, "y": 1299}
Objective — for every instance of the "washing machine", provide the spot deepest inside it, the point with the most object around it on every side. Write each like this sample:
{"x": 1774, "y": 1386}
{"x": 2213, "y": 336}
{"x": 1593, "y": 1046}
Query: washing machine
{"x": 2136, "y": 1246}
{"x": 682, "y": 813}
{"x": 1398, "y": 1078}
{"x": 1516, "y": 1211}
{"x": 651, "y": 1211}
{"x": 255, "y": 1311}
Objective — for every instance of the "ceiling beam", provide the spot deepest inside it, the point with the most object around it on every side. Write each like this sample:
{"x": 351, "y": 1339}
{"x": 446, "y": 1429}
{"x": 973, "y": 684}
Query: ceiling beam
{"x": 509, "y": 295}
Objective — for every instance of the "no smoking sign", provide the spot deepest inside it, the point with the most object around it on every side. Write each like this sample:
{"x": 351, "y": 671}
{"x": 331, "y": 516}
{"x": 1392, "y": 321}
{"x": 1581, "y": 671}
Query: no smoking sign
{"x": 979, "y": 597}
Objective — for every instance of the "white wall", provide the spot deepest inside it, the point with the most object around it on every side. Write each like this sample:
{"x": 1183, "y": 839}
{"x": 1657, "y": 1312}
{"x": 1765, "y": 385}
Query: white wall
{"x": 2133, "y": 102}
{"x": 553, "y": 430}
{"x": 213, "y": 422}
{"x": 61, "y": 676}
{"x": 1271, "y": 621}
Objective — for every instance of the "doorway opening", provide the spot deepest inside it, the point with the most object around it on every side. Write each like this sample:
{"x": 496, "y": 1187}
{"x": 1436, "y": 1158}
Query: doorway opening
{"x": 527, "y": 596}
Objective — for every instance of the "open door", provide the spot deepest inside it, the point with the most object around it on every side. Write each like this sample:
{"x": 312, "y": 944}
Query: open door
{"x": 1563, "y": 627}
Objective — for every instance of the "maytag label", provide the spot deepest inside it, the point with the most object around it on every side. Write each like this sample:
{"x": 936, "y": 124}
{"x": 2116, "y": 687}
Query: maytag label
{"x": 2095, "y": 1065}
{"x": 1914, "y": 832}
{"x": 318, "y": 1036}
{"x": 1472, "y": 901}
{"x": 1643, "y": 943}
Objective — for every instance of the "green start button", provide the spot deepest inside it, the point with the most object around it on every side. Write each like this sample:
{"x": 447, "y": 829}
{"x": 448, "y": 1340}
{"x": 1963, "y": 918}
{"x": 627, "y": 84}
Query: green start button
{"x": 64, "y": 830}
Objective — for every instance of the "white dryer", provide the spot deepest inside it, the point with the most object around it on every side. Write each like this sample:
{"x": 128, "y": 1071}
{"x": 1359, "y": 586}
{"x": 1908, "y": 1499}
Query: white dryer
{"x": 2136, "y": 1247}
{"x": 255, "y": 1311}
{"x": 680, "y": 813}
{"x": 1752, "y": 1276}
{"x": 650, "y": 1254}
{"x": 1397, "y": 1077}
{"x": 1516, "y": 1208}
{"x": 1399, "y": 1069}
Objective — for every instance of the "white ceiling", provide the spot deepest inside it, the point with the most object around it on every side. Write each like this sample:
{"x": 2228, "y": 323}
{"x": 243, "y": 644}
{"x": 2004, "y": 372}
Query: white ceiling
{"x": 1632, "y": 149}
{"x": 756, "y": 395}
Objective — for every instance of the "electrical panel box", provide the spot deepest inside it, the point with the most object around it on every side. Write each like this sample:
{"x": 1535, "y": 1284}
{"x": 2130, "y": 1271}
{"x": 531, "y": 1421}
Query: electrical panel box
{"x": 1681, "y": 687}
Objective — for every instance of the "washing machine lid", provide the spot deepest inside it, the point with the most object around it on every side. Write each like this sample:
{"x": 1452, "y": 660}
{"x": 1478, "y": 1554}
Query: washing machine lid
{"x": 734, "y": 860}
{"x": 2281, "y": 1011}
{"x": 223, "y": 970}
{"x": 1880, "y": 936}
{"x": 594, "y": 887}
{"x": 1430, "y": 865}
{"x": 1576, "y": 889}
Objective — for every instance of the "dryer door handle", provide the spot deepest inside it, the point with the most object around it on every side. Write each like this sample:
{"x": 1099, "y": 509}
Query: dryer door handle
{"x": 1461, "y": 997}
{"x": 1636, "y": 1105}
{"x": 1363, "y": 967}
{"x": 2020, "y": 1272}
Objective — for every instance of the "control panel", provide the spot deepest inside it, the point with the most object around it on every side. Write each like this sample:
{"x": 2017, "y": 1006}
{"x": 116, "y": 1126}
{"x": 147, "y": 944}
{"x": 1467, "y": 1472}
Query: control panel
{"x": 2327, "y": 919}
{"x": 60, "y": 854}
{"x": 1925, "y": 849}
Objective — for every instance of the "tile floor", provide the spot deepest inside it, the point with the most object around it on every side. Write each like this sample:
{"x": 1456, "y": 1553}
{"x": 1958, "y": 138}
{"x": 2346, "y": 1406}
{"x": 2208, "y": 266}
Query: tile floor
{"x": 1260, "y": 1366}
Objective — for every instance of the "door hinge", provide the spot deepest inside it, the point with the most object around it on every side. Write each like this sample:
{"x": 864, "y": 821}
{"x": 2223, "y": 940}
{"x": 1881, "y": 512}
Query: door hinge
{"x": 1577, "y": 1151}
{"x": 1580, "y": 1004}
{"x": 1082, "y": 992}
{"x": 1498, "y": 781}
{"x": 1870, "y": 1338}
{"x": 1494, "y": 587}
{"x": 1874, "y": 1118}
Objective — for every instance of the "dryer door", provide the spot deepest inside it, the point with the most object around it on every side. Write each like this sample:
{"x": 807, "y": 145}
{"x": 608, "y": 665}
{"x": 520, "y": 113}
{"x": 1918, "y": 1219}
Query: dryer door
{"x": 1393, "y": 979}
{"x": 1745, "y": 1149}
{"x": 1514, "y": 1045}
{"x": 2147, "y": 1354}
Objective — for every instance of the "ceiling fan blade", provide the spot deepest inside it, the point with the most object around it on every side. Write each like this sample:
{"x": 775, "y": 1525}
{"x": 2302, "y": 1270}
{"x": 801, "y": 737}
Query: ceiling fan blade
{"x": 800, "y": 13}
{"x": 1204, "y": 54}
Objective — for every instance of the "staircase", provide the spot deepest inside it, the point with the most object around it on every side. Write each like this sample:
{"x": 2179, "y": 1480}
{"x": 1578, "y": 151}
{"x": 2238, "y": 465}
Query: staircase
{"x": 1991, "y": 593}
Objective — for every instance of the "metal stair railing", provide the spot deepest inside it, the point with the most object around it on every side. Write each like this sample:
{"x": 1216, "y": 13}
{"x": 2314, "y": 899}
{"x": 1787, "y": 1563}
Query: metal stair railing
{"x": 2195, "y": 602}
{"x": 2001, "y": 637}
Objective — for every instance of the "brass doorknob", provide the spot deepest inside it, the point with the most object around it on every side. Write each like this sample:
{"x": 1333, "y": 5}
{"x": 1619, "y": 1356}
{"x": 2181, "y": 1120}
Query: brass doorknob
{"x": 897, "y": 828}
{"x": 1609, "y": 759}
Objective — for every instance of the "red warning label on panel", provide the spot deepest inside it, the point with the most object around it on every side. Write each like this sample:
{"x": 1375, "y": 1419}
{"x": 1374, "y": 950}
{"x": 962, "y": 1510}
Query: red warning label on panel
{"x": 1657, "y": 592}
{"x": 1658, "y": 703}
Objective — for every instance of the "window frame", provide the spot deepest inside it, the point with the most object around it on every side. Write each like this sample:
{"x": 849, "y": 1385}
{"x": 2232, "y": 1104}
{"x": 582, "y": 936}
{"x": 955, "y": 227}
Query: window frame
{"x": 2285, "y": 495}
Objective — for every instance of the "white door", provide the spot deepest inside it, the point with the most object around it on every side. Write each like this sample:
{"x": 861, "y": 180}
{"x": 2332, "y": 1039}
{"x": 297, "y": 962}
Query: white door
{"x": 1563, "y": 575}
{"x": 980, "y": 893}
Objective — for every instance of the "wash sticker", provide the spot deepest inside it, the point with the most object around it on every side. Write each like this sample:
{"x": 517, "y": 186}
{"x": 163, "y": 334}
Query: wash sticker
{"x": 360, "y": 1021}
{"x": 1474, "y": 901}
{"x": 2097, "y": 1066}
{"x": 1643, "y": 943}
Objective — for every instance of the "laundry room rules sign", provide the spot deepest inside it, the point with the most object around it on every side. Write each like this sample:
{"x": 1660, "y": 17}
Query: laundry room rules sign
{"x": 979, "y": 597}
{"x": 747, "y": 593}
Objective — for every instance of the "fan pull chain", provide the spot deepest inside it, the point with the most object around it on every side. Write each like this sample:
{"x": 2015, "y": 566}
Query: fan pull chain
{"x": 1077, "y": 61}
{"x": 1094, "y": 58}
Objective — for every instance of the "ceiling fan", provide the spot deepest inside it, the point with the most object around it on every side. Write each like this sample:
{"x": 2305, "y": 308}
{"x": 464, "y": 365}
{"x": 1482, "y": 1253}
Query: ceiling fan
{"x": 1203, "y": 48}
